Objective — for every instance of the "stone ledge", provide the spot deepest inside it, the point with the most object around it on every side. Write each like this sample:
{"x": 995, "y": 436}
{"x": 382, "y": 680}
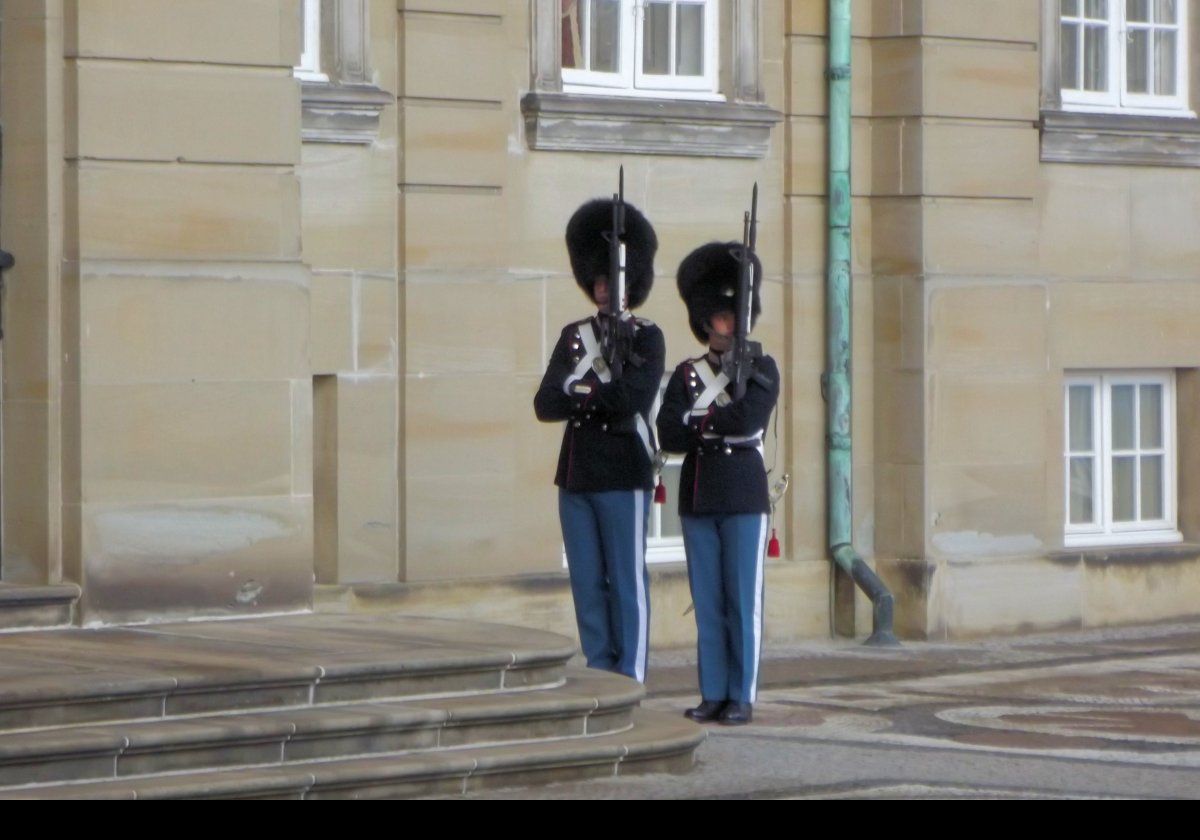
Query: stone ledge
{"x": 1134, "y": 555}
{"x": 529, "y": 582}
{"x": 797, "y": 601}
{"x": 23, "y": 595}
{"x": 29, "y": 606}
{"x": 332, "y": 113}
{"x": 1121, "y": 139}
{"x": 581, "y": 123}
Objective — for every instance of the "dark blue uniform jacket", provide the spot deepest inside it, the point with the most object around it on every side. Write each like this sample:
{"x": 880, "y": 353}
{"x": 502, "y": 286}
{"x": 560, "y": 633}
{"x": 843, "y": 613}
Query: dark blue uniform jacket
{"x": 718, "y": 476}
{"x": 601, "y": 448}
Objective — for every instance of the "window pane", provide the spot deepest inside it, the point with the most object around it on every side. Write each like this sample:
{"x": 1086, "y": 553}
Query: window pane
{"x": 1152, "y": 487}
{"x": 1165, "y": 11}
{"x": 1079, "y": 417}
{"x": 1123, "y": 489}
{"x": 1150, "y": 409}
{"x": 656, "y": 39}
{"x": 1122, "y": 417}
{"x": 604, "y": 30}
{"x": 1137, "y": 48}
{"x": 671, "y": 526}
{"x": 1097, "y": 9}
{"x": 1081, "y": 491}
{"x": 1069, "y": 55}
{"x": 689, "y": 40}
{"x": 1137, "y": 10}
{"x": 1070, "y": 8}
{"x": 572, "y": 33}
{"x": 1164, "y": 63}
{"x": 1095, "y": 58}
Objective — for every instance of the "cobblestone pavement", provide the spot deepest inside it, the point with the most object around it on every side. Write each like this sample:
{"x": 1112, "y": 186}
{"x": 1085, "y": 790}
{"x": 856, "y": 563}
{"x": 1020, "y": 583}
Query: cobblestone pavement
{"x": 1102, "y": 713}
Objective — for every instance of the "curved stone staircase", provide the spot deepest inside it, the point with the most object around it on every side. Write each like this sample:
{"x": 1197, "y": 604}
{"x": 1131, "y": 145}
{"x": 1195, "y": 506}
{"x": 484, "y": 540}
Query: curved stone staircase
{"x": 315, "y": 707}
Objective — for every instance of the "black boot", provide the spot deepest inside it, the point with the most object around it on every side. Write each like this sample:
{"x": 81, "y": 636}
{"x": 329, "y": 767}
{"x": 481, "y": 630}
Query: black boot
{"x": 706, "y": 712}
{"x": 736, "y": 714}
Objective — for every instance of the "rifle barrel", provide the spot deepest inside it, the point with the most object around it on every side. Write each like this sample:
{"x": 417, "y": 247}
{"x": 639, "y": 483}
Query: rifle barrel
{"x": 754, "y": 216}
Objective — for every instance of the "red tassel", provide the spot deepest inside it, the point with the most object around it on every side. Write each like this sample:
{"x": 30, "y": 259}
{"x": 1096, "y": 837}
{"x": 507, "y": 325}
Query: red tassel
{"x": 660, "y": 493}
{"x": 773, "y": 545}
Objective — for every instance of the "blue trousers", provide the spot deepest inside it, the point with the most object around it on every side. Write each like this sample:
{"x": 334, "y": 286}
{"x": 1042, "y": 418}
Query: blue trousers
{"x": 605, "y": 537}
{"x": 725, "y": 570}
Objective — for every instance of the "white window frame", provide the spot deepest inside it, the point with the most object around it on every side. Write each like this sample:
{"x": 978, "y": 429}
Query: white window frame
{"x": 1115, "y": 98}
{"x": 1103, "y": 530}
{"x": 309, "y": 68}
{"x": 629, "y": 80}
{"x": 660, "y": 549}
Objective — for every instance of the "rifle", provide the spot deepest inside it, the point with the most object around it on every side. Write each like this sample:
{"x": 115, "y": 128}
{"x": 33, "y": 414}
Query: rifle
{"x": 738, "y": 362}
{"x": 616, "y": 333}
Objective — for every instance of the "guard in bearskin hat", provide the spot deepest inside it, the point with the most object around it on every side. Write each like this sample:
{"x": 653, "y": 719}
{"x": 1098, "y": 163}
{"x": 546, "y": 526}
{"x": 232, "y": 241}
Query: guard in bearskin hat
{"x": 602, "y": 379}
{"x": 724, "y": 504}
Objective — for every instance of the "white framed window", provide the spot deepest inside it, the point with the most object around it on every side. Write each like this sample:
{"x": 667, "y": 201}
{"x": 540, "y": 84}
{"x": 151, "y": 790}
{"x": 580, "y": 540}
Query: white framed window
{"x": 664, "y": 531}
{"x": 1120, "y": 458}
{"x": 309, "y": 68}
{"x": 340, "y": 102}
{"x": 578, "y": 104}
{"x": 640, "y": 47}
{"x": 1124, "y": 56}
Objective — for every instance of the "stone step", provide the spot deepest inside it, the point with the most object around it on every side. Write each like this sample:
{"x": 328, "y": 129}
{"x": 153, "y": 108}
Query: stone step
{"x": 63, "y": 677}
{"x": 588, "y": 703}
{"x": 655, "y": 742}
{"x": 24, "y": 606}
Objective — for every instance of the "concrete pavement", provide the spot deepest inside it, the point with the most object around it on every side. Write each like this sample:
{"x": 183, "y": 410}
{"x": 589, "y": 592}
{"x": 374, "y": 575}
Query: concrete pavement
{"x": 1100, "y": 713}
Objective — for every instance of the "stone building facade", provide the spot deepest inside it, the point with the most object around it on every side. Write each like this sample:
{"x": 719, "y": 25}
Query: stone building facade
{"x": 288, "y": 273}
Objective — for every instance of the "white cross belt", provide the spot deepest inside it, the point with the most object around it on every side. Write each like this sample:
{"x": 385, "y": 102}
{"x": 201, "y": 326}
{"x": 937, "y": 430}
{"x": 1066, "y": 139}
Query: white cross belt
{"x": 591, "y": 352}
{"x": 714, "y": 385}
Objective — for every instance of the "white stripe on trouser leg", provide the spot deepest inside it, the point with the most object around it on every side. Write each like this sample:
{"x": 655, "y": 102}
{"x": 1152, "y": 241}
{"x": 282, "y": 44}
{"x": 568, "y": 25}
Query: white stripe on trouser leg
{"x": 639, "y": 575}
{"x": 758, "y": 607}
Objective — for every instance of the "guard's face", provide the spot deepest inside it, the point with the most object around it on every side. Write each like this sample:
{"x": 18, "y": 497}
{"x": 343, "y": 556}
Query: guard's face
{"x": 600, "y": 293}
{"x": 722, "y": 324}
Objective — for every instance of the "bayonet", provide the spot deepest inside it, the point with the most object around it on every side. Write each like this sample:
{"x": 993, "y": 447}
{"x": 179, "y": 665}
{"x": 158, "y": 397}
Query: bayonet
{"x": 739, "y": 361}
{"x": 613, "y": 339}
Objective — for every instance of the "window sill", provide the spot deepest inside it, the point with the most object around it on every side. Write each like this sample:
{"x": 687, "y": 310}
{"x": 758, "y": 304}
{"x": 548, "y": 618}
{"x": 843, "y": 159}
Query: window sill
{"x": 332, "y": 113}
{"x": 1123, "y": 538}
{"x": 667, "y": 552}
{"x": 1129, "y": 554}
{"x": 1121, "y": 139}
{"x": 582, "y": 123}
{"x": 681, "y": 94}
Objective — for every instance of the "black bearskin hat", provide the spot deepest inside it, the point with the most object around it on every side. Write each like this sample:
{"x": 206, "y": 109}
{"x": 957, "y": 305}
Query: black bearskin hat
{"x": 708, "y": 279}
{"x": 588, "y": 247}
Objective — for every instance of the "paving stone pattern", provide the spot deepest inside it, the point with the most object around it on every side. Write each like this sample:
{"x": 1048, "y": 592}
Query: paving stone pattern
{"x": 1096, "y": 714}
